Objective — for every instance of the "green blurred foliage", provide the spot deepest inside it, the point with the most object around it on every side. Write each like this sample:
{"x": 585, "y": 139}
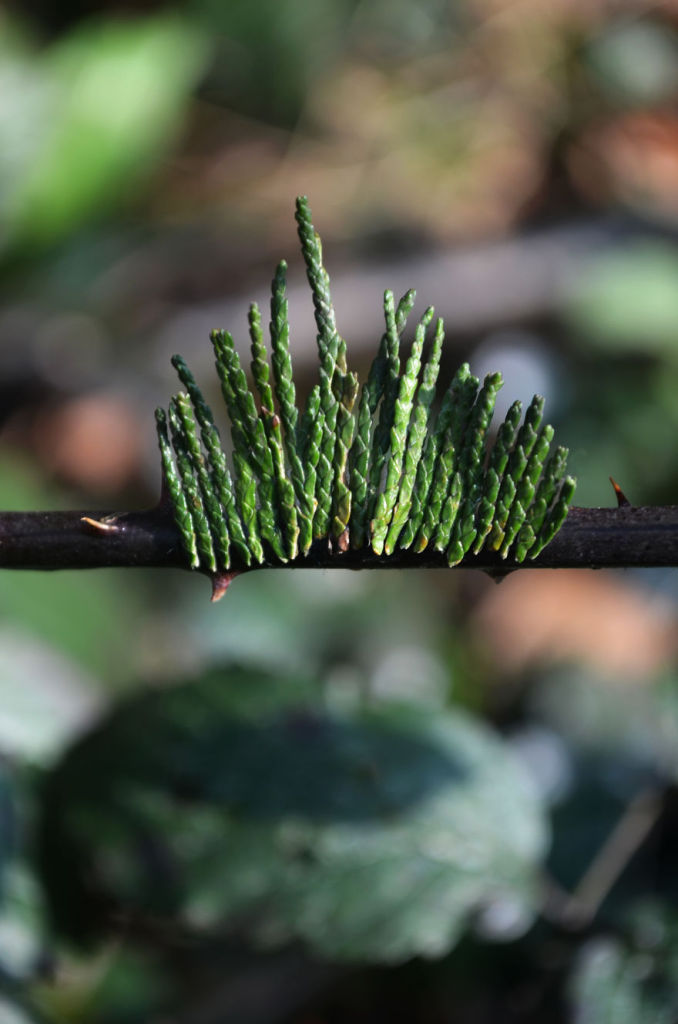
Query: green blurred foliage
{"x": 264, "y": 57}
{"x": 314, "y": 621}
{"x": 115, "y": 986}
{"x": 7, "y": 822}
{"x": 635, "y": 985}
{"x": 102, "y": 112}
{"x": 239, "y": 801}
{"x": 23, "y": 927}
{"x": 627, "y": 301}
{"x": 89, "y": 617}
{"x": 634, "y": 62}
{"x": 13, "y": 1013}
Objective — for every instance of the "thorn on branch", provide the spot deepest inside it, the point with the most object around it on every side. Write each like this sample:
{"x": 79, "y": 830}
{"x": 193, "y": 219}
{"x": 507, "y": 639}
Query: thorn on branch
{"x": 622, "y": 500}
{"x": 221, "y": 581}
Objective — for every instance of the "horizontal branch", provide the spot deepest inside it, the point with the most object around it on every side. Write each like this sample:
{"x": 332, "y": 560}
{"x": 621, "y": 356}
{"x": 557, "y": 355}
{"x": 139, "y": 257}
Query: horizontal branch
{"x": 593, "y": 538}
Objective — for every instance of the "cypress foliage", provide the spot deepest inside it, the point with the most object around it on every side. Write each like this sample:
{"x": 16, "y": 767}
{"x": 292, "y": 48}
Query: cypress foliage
{"x": 383, "y": 470}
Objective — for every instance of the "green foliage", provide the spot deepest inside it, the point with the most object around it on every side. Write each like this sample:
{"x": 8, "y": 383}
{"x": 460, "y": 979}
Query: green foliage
{"x": 627, "y": 301}
{"x": 7, "y": 824}
{"x": 371, "y": 835}
{"x": 12, "y": 1012}
{"x": 88, "y": 617}
{"x": 22, "y": 929}
{"x": 273, "y": 36}
{"x": 105, "y": 111}
{"x": 614, "y": 984}
{"x": 391, "y": 473}
{"x": 587, "y": 711}
{"x": 634, "y": 62}
{"x": 22, "y": 924}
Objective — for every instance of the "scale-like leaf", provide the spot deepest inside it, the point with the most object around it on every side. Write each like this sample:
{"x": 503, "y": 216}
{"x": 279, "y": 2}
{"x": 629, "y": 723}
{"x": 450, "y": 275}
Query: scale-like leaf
{"x": 385, "y": 472}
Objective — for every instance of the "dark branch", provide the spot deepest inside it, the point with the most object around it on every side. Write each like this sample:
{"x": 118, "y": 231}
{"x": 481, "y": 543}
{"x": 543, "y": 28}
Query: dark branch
{"x": 590, "y": 538}
{"x": 71, "y": 540}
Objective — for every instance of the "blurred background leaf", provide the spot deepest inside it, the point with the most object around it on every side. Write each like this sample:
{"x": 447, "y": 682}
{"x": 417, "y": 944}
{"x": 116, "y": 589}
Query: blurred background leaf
{"x": 14, "y": 1013}
{"x": 617, "y": 983}
{"x": 108, "y": 112}
{"x": 7, "y": 822}
{"x": 628, "y": 296}
{"x": 371, "y": 836}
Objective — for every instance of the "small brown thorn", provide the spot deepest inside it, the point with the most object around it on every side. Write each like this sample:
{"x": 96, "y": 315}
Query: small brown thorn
{"x": 496, "y": 575}
{"x": 101, "y": 525}
{"x": 221, "y": 581}
{"x": 621, "y": 497}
